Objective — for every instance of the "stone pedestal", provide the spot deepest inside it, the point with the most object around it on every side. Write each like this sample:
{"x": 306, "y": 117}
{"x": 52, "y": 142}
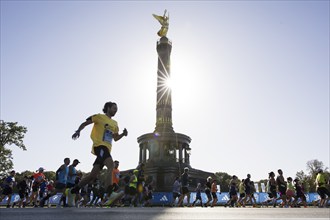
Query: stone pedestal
{"x": 164, "y": 155}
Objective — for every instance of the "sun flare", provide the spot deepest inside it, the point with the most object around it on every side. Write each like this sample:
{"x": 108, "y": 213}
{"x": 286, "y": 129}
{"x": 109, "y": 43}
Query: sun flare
{"x": 164, "y": 87}
{"x": 168, "y": 83}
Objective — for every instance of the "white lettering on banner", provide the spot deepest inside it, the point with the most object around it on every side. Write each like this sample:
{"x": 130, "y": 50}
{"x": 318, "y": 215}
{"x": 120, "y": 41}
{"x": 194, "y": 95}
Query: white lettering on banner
{"x": 225, "y": 198}
{"x": 264, "y": 197}
{"x": 164, "y": 199}
{"x": 307, "y": 197}
{"x": 16, "y": 198}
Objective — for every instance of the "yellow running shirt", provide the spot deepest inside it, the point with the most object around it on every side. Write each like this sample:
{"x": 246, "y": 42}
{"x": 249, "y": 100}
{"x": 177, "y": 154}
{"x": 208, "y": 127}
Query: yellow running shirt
{"x": 320, "y": 179}
{"x": 103, "y": 130}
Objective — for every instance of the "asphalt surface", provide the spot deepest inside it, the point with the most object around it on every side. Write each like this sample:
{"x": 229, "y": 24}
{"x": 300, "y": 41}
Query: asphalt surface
{"x": 159, "y": 213}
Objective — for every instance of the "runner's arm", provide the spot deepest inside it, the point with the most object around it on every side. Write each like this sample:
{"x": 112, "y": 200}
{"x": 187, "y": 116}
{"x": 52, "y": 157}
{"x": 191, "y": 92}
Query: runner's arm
{"x": 81, "y": 127}
{"x": 117, "y": 136}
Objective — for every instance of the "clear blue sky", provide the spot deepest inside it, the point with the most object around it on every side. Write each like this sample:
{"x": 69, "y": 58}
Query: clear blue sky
{"x": 251, "y": 80}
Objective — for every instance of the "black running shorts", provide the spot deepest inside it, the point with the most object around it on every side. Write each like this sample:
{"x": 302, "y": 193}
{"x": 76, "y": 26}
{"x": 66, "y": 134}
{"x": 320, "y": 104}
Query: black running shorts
{"x": 102, "y": 153}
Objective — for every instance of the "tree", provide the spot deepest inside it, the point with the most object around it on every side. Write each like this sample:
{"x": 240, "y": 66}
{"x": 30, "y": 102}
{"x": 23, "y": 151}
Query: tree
{"x": 223, "y": 180}
{"x": 308, "y": 180}
{"x": 301, "y": 176}
{"x": 5, "y": 161}
{"x": 50, "y": 175}
{"x": 313, "y": 166}
{"x": 10, "y": 134}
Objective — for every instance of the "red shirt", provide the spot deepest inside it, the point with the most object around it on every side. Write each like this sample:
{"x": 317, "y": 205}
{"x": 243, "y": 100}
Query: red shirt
{"x": 38, "y": 177}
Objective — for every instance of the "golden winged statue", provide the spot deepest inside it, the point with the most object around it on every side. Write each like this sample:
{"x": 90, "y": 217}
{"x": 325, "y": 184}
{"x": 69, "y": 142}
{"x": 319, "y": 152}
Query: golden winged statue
{"x": 164, "y": 21}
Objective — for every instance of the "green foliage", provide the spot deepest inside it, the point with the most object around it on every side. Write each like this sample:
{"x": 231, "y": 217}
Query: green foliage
{"x": 308, "y": 180}
{"x": 301, "y": 176}
{"x": 50, "y": 175}
{"x": 10, "y": 134}
{"x": 223, "y": 180}
{"x": 6, "y": 163}
{"x": 20, "y": 176}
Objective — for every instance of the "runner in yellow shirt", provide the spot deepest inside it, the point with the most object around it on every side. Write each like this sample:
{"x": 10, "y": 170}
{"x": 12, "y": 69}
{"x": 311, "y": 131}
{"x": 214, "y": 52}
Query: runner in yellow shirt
{"x": 105, "y": 129}
{"x": 321, "y": 188}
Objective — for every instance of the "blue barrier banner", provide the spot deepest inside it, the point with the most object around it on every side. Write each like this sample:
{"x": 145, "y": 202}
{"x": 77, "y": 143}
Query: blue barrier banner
{"x": 166, "y": 198}
{"x": 162, "y": 198}
{"x": 55, "y": 199}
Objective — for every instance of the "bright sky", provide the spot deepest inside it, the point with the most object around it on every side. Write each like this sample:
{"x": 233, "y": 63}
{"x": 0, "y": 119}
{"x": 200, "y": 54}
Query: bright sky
{"x": 251, "y": 80}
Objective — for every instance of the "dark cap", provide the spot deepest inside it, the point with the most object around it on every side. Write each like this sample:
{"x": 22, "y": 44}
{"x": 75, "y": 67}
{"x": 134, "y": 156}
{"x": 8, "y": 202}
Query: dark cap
{"x": 76, "y": 160}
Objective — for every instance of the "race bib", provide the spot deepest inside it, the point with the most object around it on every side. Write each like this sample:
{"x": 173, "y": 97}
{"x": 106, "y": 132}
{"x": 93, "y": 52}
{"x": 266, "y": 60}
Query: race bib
{"x": 107, "y": 137}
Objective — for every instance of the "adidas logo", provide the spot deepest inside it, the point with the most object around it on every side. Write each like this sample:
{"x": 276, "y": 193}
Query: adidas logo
{"x": 225, "y": 198}
{"x": 164, "y": 199}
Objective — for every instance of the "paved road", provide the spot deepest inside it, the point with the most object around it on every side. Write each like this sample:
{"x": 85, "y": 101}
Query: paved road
{"x": 159, "y": 213}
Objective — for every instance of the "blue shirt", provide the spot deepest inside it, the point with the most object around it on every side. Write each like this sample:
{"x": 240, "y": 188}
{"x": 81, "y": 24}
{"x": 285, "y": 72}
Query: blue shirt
{"x": 72, "y": 178}
{"x": 63, "y": 175}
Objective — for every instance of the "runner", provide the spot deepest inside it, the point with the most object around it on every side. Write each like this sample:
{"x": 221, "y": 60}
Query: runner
{"x": 281, "y": 187}
{"x": 176, "y": 190}
{"x": 72, "y": 175}
{"x": 60, "y": 184}
{"x": 140, "y": 184}
{"x": 184, "y": 187}
{"x": 208, "y": 190}
{"x": 23, "y": 191}
{"x": 133, "y": 188}
{"x": 116, "y": 176}
{"x": 321, "y": 188}
{"x": 198, "y": 191}
{"x": 105, "y": 129}
{"x": 299, "y": 194}
{"x": 290, "y": 192}
{"x": 248, "y": 190}
{"x": 214, "y": 190}
{"x": 38, "y": 178}
{"x": 8, "y": 186}
{"x": 271, "y": 189}
{"x": 147, "y": 191}
{"x": 241, "y": 190}
{"x": 233, "y": 186}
